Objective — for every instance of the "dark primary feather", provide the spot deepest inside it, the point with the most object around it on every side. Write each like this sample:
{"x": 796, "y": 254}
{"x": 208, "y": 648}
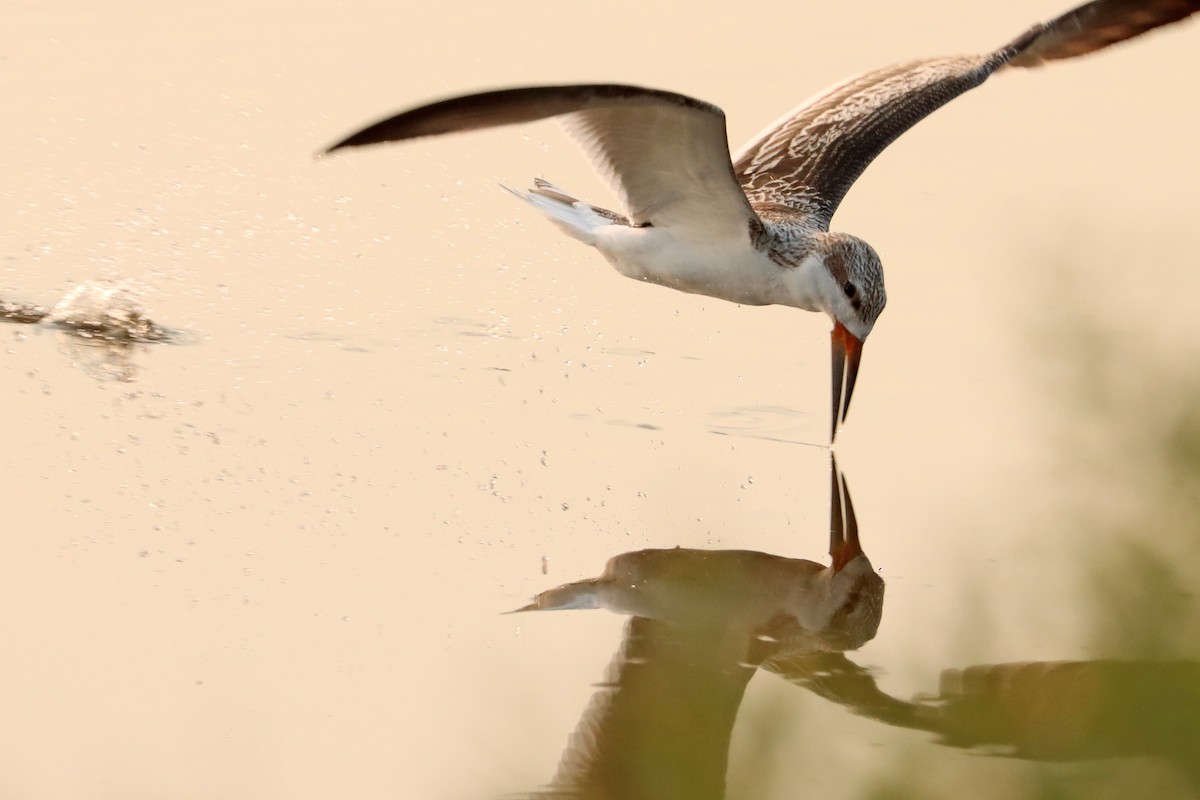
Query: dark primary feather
{"x": 512, "y": 106}
{"x": 1097, "y": 25}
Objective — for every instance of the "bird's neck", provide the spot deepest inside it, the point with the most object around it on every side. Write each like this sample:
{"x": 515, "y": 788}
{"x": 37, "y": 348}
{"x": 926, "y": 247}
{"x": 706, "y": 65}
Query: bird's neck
{"x": 809, "y": 284}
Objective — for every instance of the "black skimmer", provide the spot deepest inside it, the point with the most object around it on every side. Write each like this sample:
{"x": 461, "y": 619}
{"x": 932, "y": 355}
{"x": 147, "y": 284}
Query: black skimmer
{"x": 753, "y": 228}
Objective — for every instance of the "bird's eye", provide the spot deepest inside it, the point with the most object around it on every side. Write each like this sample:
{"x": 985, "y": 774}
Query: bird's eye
{"x": 850, "y": 289}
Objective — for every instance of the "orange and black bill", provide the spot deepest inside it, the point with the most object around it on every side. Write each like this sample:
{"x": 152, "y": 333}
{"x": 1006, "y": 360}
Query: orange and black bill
{"x": 846, "y": 349}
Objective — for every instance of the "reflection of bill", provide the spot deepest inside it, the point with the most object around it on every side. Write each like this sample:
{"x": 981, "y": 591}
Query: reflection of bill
{"x": 703, "y": 622}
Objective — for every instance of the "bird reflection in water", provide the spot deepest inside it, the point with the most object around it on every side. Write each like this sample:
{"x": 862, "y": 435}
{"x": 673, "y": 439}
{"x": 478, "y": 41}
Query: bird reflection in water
{"x": 703, "y": 621}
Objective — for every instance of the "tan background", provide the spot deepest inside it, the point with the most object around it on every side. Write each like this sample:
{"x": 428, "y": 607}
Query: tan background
{"x": 272, "y": 565}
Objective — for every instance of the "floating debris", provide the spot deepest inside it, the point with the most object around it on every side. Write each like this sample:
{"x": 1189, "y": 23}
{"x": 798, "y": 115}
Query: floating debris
{"x": 107, "y": 310}
{"x": 22, "y": 312}
{"x": 98, "y": 323}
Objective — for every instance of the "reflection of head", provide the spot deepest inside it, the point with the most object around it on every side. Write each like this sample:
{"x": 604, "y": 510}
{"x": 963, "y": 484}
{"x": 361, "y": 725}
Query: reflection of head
{"x": 857, "y": 619}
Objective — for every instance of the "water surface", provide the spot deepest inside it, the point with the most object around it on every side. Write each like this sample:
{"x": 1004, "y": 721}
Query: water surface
{"x": 273, "y": 561}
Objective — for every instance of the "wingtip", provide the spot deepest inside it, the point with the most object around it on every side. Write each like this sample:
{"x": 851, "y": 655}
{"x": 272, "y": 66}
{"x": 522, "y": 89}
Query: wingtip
{"x": 342, "y": 144}
{"x": 372, "y": 134}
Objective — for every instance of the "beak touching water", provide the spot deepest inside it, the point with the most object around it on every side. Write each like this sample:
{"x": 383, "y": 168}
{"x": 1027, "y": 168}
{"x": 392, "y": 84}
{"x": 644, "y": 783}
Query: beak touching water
{"x": 846, "y": 349}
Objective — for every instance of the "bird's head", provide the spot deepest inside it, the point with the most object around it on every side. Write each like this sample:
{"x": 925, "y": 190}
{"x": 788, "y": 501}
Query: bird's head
{"x": 854, "y": 298}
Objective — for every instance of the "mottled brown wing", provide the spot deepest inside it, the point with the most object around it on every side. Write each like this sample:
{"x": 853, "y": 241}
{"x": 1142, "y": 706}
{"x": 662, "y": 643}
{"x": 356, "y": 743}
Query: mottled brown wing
{"x": 812, "y": 157}
{"x": 666, "y": 155}
{"x": 1097, "y": 25}
{"x": 809, "y": 160}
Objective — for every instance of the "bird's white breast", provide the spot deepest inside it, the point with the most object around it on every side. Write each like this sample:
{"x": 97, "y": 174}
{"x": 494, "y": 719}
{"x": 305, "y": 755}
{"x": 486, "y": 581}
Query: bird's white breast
{"x": 726, "y": 268}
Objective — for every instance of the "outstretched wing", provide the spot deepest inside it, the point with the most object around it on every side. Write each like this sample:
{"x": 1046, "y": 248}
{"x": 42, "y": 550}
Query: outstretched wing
{"x": 665, "y": 155}
{"x": 809, "y": 159}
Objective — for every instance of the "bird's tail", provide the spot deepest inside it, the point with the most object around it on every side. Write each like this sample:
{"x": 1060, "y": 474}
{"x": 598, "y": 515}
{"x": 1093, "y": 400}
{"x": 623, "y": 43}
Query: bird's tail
{"x": 581, "y": 594}
{"x": 574, "y": 217}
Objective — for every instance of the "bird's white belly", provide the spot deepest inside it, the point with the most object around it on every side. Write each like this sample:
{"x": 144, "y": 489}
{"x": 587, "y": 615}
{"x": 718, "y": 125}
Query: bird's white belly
{"x": 727, "y": 269}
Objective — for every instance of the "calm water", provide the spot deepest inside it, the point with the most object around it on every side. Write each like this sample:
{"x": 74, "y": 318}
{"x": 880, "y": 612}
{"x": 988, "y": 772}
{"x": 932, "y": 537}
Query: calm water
{"x": 271, "y": 557}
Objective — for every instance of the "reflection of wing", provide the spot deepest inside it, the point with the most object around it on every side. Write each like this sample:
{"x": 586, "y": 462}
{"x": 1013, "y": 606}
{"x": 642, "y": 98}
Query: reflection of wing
{"x": 666, "y": 155}
{"x": 839, "y": 680}
{"x": 1068, "y": 710}
{"x": 660, "y": 724}
{"x": 810, "y": 159}
{"x": 1044, "y": 710}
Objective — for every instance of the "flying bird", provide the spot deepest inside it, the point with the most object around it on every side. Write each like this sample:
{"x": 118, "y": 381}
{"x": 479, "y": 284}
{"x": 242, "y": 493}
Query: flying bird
{"x": 753, "y": 227}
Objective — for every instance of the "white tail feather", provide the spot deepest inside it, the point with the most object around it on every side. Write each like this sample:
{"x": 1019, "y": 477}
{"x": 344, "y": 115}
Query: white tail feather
{"x": 581, "y": 594}
{"x": 574, "y": 218}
